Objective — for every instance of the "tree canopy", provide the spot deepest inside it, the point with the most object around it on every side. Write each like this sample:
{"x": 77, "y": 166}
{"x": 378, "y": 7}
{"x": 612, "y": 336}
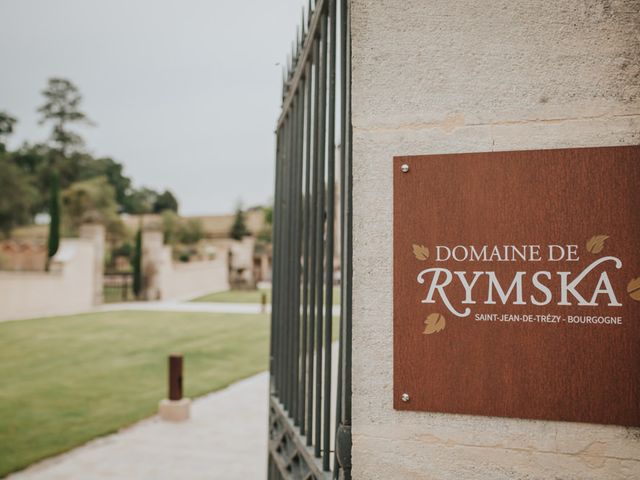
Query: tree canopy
{"x": 62, "y": 107}
{"x": 6, "y": 126}
{"x": 89, "y": 201}
{"x": 239, "y": 228}
{"x": 17, "y": 196}
{"x": 26, "y": 172}
{"x": 17, "y": 193}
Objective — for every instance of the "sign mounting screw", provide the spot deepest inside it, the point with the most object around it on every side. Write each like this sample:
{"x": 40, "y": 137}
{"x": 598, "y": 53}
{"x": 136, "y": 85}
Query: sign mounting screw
{"x": 404, "y": 168}
{"x": 405, "y": 397}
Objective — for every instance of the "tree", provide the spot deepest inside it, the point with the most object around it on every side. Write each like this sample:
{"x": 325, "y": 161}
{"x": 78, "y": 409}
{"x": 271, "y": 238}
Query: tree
{"x": 190, "y": 232}
{"x": 165, "y": 201}
{"x": 54, "y": 214}
{"x": 140, "y": 201}
{"x": 17, "y": 194}
{"x": 17, "y": 197}
{"x": 62, "y": 107}
{"x": 268, "y": 214}
{"x": 112, "y": 170}
{"x": 31, "y": 158}
{"x": 6, "y": 127}
{"x": 91, "y": 201}
{"x": 239, "y": 227}
{"x": 137, "y": 265}
{"x": 266, "y": 233}
{"x": 170, "y": 226}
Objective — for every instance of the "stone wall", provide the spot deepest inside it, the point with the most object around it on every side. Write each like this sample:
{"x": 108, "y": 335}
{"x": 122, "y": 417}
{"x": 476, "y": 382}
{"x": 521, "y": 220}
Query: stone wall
{"x": 23, "y": 255}
{"x": 192, "y": 279}
{"x": 164, "y": 279}
{"x": 73, "y": 283}
{"x": 449, "y": 77}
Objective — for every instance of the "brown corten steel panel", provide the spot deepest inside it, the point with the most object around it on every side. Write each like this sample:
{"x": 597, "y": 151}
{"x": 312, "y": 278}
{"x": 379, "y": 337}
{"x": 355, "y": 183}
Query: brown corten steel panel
{"x": 527, "y": 367}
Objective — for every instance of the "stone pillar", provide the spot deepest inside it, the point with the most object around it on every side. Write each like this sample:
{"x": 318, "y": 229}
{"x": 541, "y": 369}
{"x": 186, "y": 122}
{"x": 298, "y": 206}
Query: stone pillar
{"x": 265, "y": 271}
{"x": 248, "y": 246}
{"x": 96, "y": 234}
{"x": 152, "y": 259}
{"x": 241, "y": 263}
{"x": 435, "y": 77}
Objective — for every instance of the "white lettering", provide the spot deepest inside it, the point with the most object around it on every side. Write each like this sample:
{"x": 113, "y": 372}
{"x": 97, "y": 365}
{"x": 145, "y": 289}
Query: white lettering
{"x": 504, "y": 296}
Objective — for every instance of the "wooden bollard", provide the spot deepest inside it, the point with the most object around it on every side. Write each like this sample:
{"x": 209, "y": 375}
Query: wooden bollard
{"x": 175, "y": 377}
{"x": 263, "y": 302}
{"x": 175, "y": 408}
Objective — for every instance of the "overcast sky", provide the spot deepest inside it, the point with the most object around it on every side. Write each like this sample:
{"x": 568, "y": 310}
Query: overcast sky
{"x": 185, "y": 93}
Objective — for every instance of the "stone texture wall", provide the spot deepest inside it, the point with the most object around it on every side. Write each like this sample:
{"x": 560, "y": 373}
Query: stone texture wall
{"x": 69, "y": 287}
{"x": 187, "y": 280}
{"x": 154, "y": 262}
{"x": 446, "y": 77}
{"x": 97, "y": 235}
{"x": 164, "y": 279}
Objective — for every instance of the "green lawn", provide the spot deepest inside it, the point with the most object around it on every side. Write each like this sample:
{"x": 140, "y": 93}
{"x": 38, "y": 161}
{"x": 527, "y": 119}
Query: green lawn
{"x": 249, "y": 296}
{"x": 115, "y": 295}
{"x": 68, "y": 379}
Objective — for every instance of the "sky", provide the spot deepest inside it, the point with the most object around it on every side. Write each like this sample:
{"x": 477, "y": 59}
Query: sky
{"x": 184, "y": 93}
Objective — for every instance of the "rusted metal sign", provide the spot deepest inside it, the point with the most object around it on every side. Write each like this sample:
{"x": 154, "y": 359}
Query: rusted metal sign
{"x": 517, "y": 284}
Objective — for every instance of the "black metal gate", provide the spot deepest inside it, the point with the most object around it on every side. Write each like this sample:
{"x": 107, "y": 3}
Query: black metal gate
{"x": 310, "y": 409}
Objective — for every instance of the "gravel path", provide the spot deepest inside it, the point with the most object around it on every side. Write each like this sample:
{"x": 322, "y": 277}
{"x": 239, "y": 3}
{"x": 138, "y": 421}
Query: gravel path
{"x": 226, "y": 438}
{"x": 170, "y": 306}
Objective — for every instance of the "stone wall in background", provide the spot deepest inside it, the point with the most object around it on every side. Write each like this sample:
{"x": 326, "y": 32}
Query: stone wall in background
{"x": 165, "y": 279}
{"x": 192, "y": 279}
{"x": 73, "y": 283}
{"x": 448, "y": 77}
{"x": 23, "y": 255}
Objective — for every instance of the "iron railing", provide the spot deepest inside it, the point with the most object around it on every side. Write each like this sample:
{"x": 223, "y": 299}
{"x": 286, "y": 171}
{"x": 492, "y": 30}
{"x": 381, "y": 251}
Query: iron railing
{"x": 118, "y": 287}
{"x": 310, "y": 409}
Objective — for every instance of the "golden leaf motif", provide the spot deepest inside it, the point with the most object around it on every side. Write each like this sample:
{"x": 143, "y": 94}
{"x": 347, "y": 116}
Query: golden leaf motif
{"x": 433, "y": 324}
{"x": 596, "y": 244}
{"x": 421, "y": 252}
{"x": 634, "y": 289}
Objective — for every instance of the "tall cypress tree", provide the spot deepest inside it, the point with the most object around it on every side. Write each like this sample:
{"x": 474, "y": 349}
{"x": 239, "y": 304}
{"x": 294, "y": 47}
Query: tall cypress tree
{"x": 54, "y": 214}
{"x": 137, "y": 265}
{"x": 239, "y": 228}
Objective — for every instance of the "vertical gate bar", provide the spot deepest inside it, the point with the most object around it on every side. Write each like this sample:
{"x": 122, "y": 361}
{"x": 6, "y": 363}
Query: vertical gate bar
{"x": 281, "y": 212}
{"x": 287, "y": 263}
{"x": 284, "y": 282}
{"x": 299, "y": 196}
{"x": 330, "y": 215}
{"x": 283, "y": 273}
{"x": 284, "y": 318}
{"x": 292, "y": 231}
{"x": 348, "y": 243}
{"x": 287, "y": 258}
{"x": 297, "y": 212}
{"x": 277, "y": 345}
{"x": 297, "y": 219}
{"x": 290, "y": 256}
{"x": 312, "y": 263}
{"x": 273, "y": 327}
{"x": 305, "y": 271}
{"x": 343, "y": 177}
{"x": 283, "y": 263}
{"x": 279, "y": 286}
{"x": 320, "y": 228}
